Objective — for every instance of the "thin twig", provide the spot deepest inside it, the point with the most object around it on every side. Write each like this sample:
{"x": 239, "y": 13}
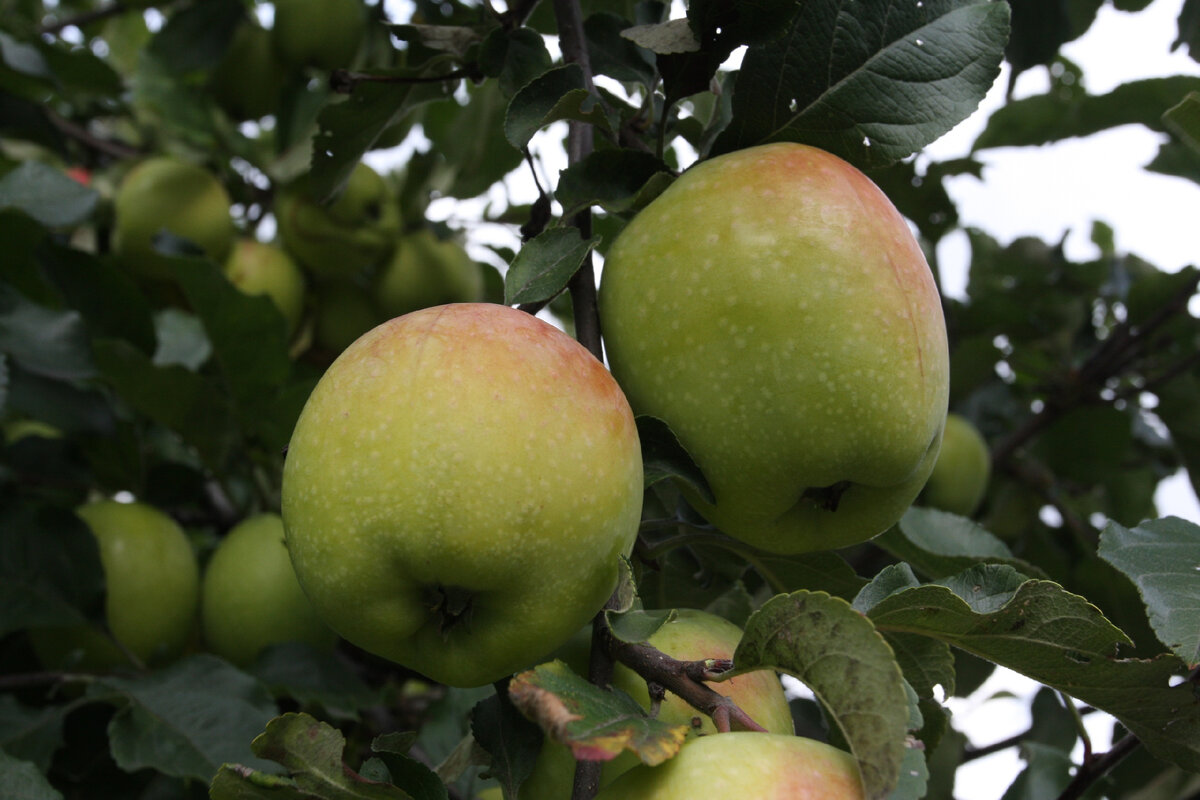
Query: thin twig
{"x": 1095, "y": 768}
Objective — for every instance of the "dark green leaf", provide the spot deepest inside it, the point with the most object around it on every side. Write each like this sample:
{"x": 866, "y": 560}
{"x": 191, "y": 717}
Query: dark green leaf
{"x": 514, "y": 57}
{"x": 611, "y": 179}
{"x": 470, "y": 140}
{"x": 638, "y": 626}
{"x": 312, "y": 677}
{"x": 1183, "y": 120}
{"x": 559, "y": 93}
{"x": 738, "y": 22}
{"x": 21, "y": 780}
{"x": 46, "y": 342}
{"x": 1176, "y": 158}
{"x": 1162, "y": 558}
{"x": 510, "y": 739}
{"x": 105, "y": 294}
{"x": 545, "y": 264}
{"x": 47, "y": 194}
{"x": 30, "y": 733}
{"x": 613, "y": 54}
{"x": 664, "y": 457}
{"x": 925, "y": 663}
{"x": 847, "y": 664}
{"x": 1041, "y": 27}
{"x": 1047, "y": 772}
{"x": 871, "y": 82}
{"x": 197, "y": 36}
{"x": 938, "y": 543}
{"x": 1189, "y": 28}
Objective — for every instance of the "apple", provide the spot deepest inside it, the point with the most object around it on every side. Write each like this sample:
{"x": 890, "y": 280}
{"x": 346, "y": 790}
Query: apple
{"x": 250, "y": 598}
{"x": 964, "y": 466}
{"x": 18, "y": 429}
{"x": 325, "y": 34}
{"x": 774, "y": 309}
{"x": 690, "y": 636}
{"x": 168, "y": 193}
{"x": 459, "y": 489}
{"x": 425, "y": 271}
{"x": 152, "y": 582}
{"x": 344, "y": 313}
{"x": 248, "y": 79}
{"x": 259, "y": 268}
{"x": 765, "y": 766}
{"x": 356, "y": 230}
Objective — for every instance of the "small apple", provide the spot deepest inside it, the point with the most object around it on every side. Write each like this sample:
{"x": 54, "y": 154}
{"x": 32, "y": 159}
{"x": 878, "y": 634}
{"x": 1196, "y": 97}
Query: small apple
{"x": 690, "y": 635}
{"x": 152, "y": 583}
{"x": 459, "y": 489}
{"x": 259, "y": 268}
{"x": 167, "y": 193}
{"x": 17, "y": 429}
{"x": 765, "y": 766}
{"x": 344, "y": 313}
{"x": 357, "y": 230}
{"x": 325, "y": 34}
{"x": 774, "y": 309}
{"x": 425, "y": 271}
{"x": 964, "y": 466}
{"x": 248, "y": 79}
{"x": 250, "y": 598}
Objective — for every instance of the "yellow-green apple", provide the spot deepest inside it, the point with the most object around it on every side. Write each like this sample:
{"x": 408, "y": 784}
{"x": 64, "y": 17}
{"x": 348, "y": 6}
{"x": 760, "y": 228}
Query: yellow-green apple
{"x": 250, "y": 598}
{"x": 168, "y": 193}
{"x": 259, "y": 268}
{"x": 318, "y": 33}
{"x": 765, "y": 766}
{"x": 425, "y": 271}
{"x": 248, "y": 79}
{"x": 152, "y": 592}
{"x": 774, "y": 309}
{"x": 17, "y": 429}
{"x": 459, "y": 489}
{"x": 344, "y": 312}
{"x": 357, "y": 230}
{"x": 964, "y": 466}
{"x": 691, "y": 635}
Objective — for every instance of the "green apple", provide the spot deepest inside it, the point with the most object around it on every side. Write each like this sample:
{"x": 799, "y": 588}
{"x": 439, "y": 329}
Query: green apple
{"x": 250, "y": 598}
{"x": 325, "y": 34}
{"x": 459, "y": 489}
{"x": 774, "y": 309}
{"x": 167, "y": 193}
{"x": 357, "y": 230}
{"x": 152, "y": 583}
{"x": 425, "y": 271}
{"x": 248, "y": 79}
{"x": 259, "y": 268}
{"x": 964, "y": 466}
{"x": 17, "y": 429}
{"x": 765, "y": 766}
{"x": 691, "y": 635}
{"x": 344, "y": 313}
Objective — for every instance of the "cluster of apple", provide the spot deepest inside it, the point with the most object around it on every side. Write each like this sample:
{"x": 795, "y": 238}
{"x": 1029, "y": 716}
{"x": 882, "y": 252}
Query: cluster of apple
{"x": 463, "y": 481}
{"x": 161, "y": 603}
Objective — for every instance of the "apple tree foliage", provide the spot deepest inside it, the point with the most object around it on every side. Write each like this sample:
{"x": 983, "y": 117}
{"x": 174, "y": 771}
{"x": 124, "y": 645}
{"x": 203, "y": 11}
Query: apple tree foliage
{"x": 1083, "y": 376}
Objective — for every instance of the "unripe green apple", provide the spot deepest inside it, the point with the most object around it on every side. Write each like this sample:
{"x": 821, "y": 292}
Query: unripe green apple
{"x": 167, "y": 193}
{"x": 18, "y": 429}
{"x": 774, "y": 309}
{"x": 357, "y": 230}
{"x": 690, "y": 636}
{"x": 458, "y": 491}
{"x": 152, "y": 583}
{"x": 325, "y": 34}
{"x": 964, "y": 466}
{"x": 344, "y": 313}
{"x": 259, "y": 268}
{"x": 764, "y": 766}
{"x": 425, "y": 271}
{"x": 248, "y": 79}
{"x": 250, "y": 598}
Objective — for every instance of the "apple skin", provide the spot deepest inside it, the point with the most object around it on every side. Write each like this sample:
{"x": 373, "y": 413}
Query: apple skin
{"x": 250, "y": 597}
{"x": 773, "y": 307}
{"x": 325, "y": 34}
{"x": 152, "y": 597}
{"x": 248, "y": 79}
{"x": 964, "y": 466}
{"x": 690, "y": 636}
{"x": 425, "y": 271}
{"x": 765, "y": 766}
{"x": 259, "y": 268}
{"x": 164, "y": 192}
{"x": 458, "y": 490}
{"x": 357, "y": 230}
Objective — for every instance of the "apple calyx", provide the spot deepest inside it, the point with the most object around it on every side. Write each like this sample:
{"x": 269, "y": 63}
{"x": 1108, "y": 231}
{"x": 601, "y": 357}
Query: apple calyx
{"x": 451, "y": 606}
{"x": 826, "y": 498}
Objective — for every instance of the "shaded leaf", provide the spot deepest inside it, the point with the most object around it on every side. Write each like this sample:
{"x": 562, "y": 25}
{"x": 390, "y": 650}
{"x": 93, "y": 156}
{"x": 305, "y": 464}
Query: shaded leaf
{"x": 615, "y": 180}
{"x": 1162, "y": 558}
{"x": 21, "y": 780}
{"x": 559, "y": 93}
{"x": 512, "y": 741}
{"x": 198, "y": 36}
{"x": 514, "y": 57}
{"x": 311, "y": 676}
{"x": 664, "y": 38}
{"x": 106, "y": 295}
{"x": 1183, "y": 120}
{"x": 664, "y": 457}
{"x": 28, "y": 733}
{"x": 44, "y": 341}
{"x": 1188, "y": 27}
{"x": 545, "y": 264}
{"x": 938, "y": 543}
{"x": 47, "y": 194}
{"x": 613, "y": 54}
{"x": 1047, "y": 773}
{"x": 471, "y": 142}
{"x": 847, "y": 664}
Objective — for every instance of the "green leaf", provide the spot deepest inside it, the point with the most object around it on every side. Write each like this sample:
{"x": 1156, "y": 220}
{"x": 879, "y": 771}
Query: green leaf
{"x": 559, "y": 93}
{"x": 47, "y": 195}
{"x": 1189, "y": 28}
{"x": 187, "y": 719}
{"x": 596, "y": 724}
{"x": 545, "y": 264}
{"x": 1176, "y": 158}
{"x": 313, "y": 677}
{"x": 938, "y": 543}
{"x": 236, "y": 782}
{"x": 872, "y": 82}
{"x": 615, "y": 180}
{"x": 847, "y": 664}
{"x": 30, "y": 733}
{"x": 181, "y": 340}
{"x": 663, "y": 457}
{"x": 197, "y": 36}
{"x": 23, "y": 58}
{"x": 637, "y": 626}
{"x": 514, "y": 57}
{"x": 614, "y": 55}
{"x": 1047, "y": 773}
{"x": 1040, "y": 630}
{"x": 21, "y": 780}
{"x": 407, "y": 772}
{"x": 106, "y": 295}
{"x": 1162, "y": 558}
{"x": 926, "y": 663}
{"x": 44, "y": 341}
{"x": 470, "y": 142}
{"x": 1183, "y": 120}
{"x": 512, "y": 740}
{"x": 1053, "y": 117}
